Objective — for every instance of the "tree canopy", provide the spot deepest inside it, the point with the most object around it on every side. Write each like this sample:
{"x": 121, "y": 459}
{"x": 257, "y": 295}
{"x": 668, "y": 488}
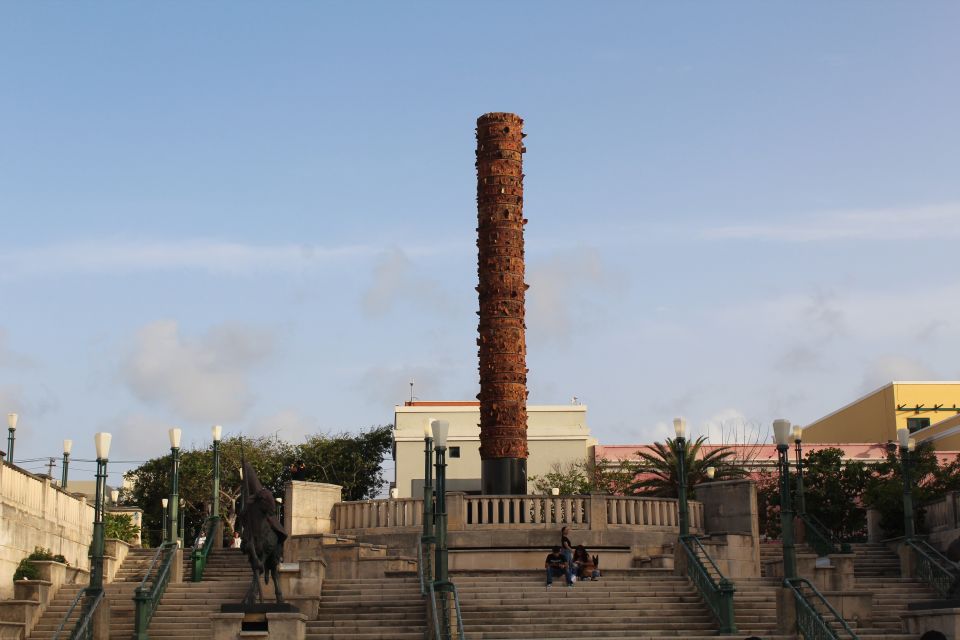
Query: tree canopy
{"x": 354, "y": 461}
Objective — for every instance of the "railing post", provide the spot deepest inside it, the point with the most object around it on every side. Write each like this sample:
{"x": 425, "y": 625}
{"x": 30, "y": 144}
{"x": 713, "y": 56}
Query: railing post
{"x": 728, "y": 623}
{"x": 141, "y": 620}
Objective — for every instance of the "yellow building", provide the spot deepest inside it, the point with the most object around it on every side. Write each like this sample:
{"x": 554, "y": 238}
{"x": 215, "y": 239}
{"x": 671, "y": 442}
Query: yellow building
{"x": 922, "y": 407}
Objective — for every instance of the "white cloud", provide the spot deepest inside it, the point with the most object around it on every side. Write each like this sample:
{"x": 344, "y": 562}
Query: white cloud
{"x": 564, "y": 291}
{"x": 889, "y": 368}
{"x": 396, "y": 279}
{"x": 10, "y": 358}
{"x": 288, "y": 424}
{"x": 119, "y": 256}
{"x": 936, "y": 222}
{"x": 201, "y": 379}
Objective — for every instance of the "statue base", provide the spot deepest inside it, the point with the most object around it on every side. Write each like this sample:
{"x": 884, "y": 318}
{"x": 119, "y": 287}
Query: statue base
{"x": 503, "y": 476}
{"x": 255, "y": 615}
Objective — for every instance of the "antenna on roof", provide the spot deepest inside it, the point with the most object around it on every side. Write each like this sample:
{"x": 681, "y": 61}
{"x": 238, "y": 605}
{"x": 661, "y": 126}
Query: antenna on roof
{"x": 411, "y": 391}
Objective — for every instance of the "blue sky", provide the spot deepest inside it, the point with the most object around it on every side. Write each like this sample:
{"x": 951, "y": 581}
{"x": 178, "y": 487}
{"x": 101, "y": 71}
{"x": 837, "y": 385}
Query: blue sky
{"x": 264, "y": 216}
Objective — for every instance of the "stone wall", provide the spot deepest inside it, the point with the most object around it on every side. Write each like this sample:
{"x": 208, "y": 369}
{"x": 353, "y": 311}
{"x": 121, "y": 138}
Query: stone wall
{"x": 35, "y": 513}
{"x": 730, "y": 519}
{"x": 308, "y": 507}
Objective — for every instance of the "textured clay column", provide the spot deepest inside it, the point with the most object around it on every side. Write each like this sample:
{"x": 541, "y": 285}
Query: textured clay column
{"x": 502, "y": 341}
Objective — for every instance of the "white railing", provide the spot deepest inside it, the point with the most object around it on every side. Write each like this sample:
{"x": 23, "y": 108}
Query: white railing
{"x": 522, "y": 512}
{"x": 379, "y": 514}
{"x": 516, "y": 511}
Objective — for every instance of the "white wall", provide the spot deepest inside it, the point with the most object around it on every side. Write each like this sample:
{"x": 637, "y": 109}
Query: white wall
{"x": 555, "y": 434}
{"x": 35, "y": 513}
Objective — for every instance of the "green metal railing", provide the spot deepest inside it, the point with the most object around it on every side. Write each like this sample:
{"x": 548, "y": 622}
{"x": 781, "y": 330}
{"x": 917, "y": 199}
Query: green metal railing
{"x": 447, "y": 594}
{"x": 88, "y": 600}
{"x": 147, "y": 598}
{"x": 818, "y": 538}
{"x": 816, "y": 618}
{"x": 715, "y": 589}
{"x": 934, "y": 568}
{"x": 199, "y": 557}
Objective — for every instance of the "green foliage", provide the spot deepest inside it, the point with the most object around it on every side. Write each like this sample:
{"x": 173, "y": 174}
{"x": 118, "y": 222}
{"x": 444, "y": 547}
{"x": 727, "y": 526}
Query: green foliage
{"x": 27, "y": 570}
{"x": 120, "y": 527}
{"x": 928, "y": 480}
{"x": 832, "y": 490}
{"x": 572, "y": 479}
{"x": 352, "y": 461}
{"x": 582, "y": 477}
{"x": 355, "y": 462}
{"x": 657, "y": 468}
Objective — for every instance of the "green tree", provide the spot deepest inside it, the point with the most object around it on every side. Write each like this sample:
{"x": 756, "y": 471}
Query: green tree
{"x": 884, "y": 490}
{"x": 583, "y": 476}
{"x": 353, "y": 461}
{"x": 657, "y": 468}
{"x": 832, "y": 490}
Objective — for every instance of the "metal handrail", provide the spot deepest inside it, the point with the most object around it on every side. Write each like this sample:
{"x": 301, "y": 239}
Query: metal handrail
{"x": 810, "y": 622}
{"x": 146, "y": 599}
{"x": 199, "y": 557}
{"x": 817, "y": 536}
{"x": 428, "y": 588}
{"x": 934, "y": 568}
{"x": 83, "y": 629}
{"x": 718, "y": 594}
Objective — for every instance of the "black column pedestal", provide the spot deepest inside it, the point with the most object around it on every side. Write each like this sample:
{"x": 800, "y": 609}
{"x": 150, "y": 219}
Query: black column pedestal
{"x": 503, "y": 476}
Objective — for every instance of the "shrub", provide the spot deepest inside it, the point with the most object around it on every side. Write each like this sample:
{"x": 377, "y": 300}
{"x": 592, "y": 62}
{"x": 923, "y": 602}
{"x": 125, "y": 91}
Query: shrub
{"x": 120, "y": 526}
{"x": 26, "y": 570}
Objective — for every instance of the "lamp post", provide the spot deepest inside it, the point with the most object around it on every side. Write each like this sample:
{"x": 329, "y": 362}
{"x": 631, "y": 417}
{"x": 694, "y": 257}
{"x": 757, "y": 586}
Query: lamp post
{"x": 711, "y": 472}
{"x": 174, "y": 483}
{"x": 216, "y": 431}
{"x": 67, "y": 448}
{"x": 801, "y": 499}
{"x": 102, "y": 443}
{"x": 781, "y": 433}
{"x": 680, "y": 429}
{"x": 428, "y": 482}
{"x": 441, "y": 429}
{"x": 11, "y": 434}
{"x": 903, "y": 435}
{"x": 114, "y": 497}
{"x": 166, "y": 520}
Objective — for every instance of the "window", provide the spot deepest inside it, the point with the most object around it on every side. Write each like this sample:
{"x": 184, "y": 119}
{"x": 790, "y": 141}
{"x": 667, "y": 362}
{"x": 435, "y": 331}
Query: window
{"x": 455, "y": 452}
{"x": 915, "y": 424}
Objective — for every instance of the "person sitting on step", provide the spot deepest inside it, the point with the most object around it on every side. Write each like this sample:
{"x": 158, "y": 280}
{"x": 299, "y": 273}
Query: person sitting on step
{"x": 556, "y": 565}
{"x": 584, "y": 567}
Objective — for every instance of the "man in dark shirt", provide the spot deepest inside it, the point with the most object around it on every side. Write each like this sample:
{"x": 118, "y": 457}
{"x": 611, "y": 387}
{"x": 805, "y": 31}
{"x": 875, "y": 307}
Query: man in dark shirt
{"x": 556, "y": 565}
{"x": 567, "y": 550}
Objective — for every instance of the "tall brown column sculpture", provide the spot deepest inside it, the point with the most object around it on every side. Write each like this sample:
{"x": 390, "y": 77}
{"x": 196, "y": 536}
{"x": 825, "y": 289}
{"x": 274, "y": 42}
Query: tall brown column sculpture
{"x": 502, "y": 340}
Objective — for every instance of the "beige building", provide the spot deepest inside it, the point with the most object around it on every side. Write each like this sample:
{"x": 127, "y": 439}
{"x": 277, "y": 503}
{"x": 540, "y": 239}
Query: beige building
{"x": 927, "y": 409}
{"x": 557, "y": 434}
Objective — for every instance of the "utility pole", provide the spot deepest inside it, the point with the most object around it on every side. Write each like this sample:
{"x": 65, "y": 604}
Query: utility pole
{"x": 50, "y": 465}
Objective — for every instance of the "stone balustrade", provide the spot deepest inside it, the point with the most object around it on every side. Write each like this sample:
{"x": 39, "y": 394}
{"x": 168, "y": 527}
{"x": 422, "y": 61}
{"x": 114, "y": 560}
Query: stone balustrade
{"x": 472, "y": 512}
{"x": 379, "y": 514}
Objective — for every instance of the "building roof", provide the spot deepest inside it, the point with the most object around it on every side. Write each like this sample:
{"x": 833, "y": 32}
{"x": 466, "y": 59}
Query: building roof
{"x": 765, "y": 453}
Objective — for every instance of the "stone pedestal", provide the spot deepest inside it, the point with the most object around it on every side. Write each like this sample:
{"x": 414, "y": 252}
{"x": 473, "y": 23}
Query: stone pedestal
{"x": 308, "y": 507}
{"x": 226, "y": 626}
{"x": 286, "y": 626}
{"x": 946, "y": 621}
{"x": 786, "y": 612}
{"x": 101, "y": 620}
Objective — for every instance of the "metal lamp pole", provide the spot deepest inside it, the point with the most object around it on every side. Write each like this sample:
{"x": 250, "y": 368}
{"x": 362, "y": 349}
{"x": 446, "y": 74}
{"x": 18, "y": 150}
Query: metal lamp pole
{"x": 440, "y": 430}
{"x": 907, "y": 445}
{"x": 67, "y": 448}
{"x": 102, "y": 442}
{"x": 680, "y": 429}
{"x": 11, "y": 434}
{"x": 781, "y": 433}
{"x": 427, "y": 537}
{"x": 166, "y": 520}
{"x": 801, "y": 499}
{"x": 217, "y": 432}
{"x": 174, "y": 483}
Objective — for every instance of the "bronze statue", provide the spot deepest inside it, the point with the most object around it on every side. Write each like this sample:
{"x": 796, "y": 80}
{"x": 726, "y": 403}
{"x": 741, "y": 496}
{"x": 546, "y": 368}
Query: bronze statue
{"x": 261, "y": 534}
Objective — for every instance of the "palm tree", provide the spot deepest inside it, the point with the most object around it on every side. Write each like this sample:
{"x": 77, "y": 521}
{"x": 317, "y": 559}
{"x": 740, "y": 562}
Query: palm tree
{"x": 657, "y": 469}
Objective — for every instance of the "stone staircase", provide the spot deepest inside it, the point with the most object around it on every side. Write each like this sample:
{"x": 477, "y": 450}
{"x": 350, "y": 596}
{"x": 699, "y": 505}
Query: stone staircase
{"x": 389, "y": 608}
{"x": 184, "y": 611}
{"x": 629, "y": 603}
{"x": 877, "y": 569}
{"x": 119, "y": 593}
